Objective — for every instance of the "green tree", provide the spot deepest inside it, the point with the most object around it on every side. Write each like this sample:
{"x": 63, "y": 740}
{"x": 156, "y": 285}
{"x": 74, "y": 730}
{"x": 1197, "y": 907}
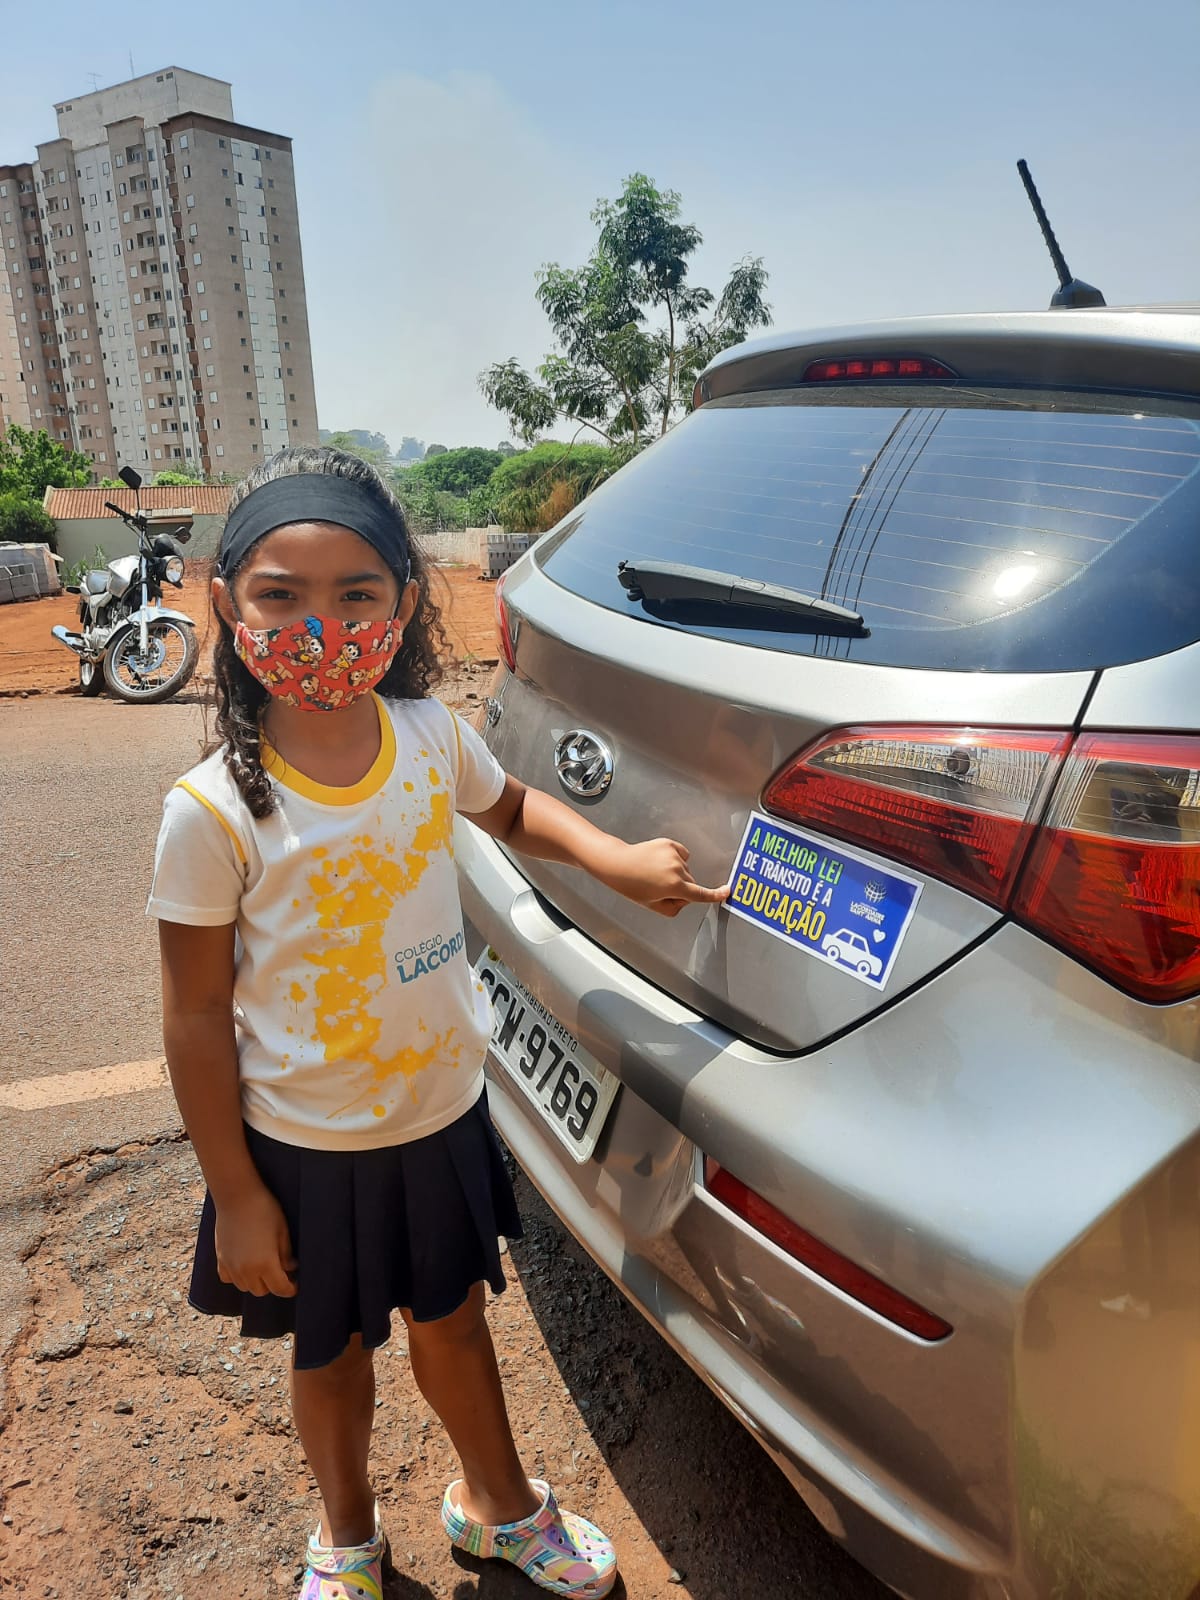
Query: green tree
{"x": 632, "y": 333}
{"x": 23, "y": 521}
{"x": 31, "y": 463}
{"x": 175, "y": 475}
{"x": 531, "y": 489}
{"x": 456, "y": 471}
{"x": 350, "y": 445}
{"x": 410, "y": 449}
{"x": 436, "y": 450}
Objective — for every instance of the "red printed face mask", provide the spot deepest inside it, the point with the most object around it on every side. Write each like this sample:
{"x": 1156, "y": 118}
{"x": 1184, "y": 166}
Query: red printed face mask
{"x": 319, "y": 663}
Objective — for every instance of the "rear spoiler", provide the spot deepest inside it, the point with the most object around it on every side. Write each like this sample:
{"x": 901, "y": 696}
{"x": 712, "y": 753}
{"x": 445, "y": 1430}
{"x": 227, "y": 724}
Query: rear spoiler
{"x": 1141, "y": 352}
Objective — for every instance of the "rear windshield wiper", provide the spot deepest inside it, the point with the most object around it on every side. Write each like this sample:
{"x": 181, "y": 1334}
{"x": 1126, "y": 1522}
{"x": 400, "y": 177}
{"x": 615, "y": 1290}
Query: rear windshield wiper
{"x": 670, "y": 582}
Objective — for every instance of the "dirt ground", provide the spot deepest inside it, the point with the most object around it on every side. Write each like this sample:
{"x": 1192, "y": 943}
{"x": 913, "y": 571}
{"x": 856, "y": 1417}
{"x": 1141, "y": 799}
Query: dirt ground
{"x": 31, "y": 662}
{"x": 150, "y": 1451}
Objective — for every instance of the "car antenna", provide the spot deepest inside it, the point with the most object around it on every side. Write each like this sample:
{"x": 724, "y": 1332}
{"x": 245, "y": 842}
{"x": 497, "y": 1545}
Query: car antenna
{"x": 1071, "y": 292}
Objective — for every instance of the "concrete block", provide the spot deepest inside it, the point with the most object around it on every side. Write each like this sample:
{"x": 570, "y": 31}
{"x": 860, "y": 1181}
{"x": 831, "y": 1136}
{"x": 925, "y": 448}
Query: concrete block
{"x": 39, "y": 558}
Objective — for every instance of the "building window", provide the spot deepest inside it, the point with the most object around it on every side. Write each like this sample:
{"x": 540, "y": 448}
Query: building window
{"x": 183, "y": 141}
{"x": 191, "y": 201}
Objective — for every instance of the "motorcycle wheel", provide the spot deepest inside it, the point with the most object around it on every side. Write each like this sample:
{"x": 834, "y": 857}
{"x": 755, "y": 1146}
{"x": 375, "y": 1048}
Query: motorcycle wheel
{"x": 169, "y": 662}
{"x": 91, "y": 678}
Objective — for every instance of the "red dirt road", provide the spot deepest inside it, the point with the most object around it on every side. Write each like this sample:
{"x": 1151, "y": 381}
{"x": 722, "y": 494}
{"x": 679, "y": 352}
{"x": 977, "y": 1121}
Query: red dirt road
{"x": 32, "y": 662}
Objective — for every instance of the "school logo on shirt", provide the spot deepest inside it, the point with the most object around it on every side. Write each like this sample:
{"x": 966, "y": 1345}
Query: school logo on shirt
{"x": 419, "y": 960}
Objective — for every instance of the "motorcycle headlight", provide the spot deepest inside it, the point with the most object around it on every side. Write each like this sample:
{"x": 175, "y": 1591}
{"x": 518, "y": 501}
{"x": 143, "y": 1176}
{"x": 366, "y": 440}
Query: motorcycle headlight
{"x": 173, "y": 571}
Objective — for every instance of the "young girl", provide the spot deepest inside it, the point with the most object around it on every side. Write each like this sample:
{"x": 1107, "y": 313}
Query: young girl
{"x": 336, "y": 1104}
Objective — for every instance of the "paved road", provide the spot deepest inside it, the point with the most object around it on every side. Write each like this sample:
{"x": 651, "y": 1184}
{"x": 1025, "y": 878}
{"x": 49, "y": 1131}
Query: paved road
{"x": 83, "y": 783}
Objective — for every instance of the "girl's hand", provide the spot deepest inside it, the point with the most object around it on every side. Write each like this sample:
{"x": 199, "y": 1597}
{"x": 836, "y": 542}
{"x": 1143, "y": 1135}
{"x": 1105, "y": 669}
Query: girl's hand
{"x": 254, "y": 1249}
{"x": 656, "y": 875}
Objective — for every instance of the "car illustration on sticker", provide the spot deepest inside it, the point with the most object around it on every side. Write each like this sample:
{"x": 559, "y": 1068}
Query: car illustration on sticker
{"x": 853, "y": 949}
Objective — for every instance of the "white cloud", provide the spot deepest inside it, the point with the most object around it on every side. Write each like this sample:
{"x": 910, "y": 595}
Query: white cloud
{"x": 446, "y": 201}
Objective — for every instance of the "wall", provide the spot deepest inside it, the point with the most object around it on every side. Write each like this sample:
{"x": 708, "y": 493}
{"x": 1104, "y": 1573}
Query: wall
{"x": 79, "y": 536}
{"x": 455, "y": 546}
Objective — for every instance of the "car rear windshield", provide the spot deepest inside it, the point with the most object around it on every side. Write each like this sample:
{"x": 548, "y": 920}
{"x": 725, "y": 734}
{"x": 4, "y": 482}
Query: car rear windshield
{"x": 974, "y": 531}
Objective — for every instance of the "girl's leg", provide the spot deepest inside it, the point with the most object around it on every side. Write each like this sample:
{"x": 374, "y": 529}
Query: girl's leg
{"x": 454, "y": 1363}
{"x": 334, "y": 1409}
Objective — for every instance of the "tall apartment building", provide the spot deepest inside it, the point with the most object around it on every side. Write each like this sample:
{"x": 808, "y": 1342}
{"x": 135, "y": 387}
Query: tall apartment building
{"x": 152, "y": 306}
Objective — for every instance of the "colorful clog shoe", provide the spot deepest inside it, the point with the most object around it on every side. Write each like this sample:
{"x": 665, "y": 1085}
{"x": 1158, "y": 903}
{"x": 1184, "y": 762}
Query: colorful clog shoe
{"x": 557, "y": 1550}
{"x": 350, "y": 1572}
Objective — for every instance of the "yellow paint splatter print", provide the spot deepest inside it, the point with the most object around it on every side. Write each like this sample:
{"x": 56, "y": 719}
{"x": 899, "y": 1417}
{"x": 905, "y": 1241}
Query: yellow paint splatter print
{"x": 353, "y": 896}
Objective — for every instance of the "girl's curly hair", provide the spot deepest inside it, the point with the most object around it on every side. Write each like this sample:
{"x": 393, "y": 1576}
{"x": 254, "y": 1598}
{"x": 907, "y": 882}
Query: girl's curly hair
{"x": 238, "y": 698}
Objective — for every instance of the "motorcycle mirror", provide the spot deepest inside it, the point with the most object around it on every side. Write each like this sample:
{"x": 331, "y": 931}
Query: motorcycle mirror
{"x": 130, "y": 478}
{"x": 181, "y": 535}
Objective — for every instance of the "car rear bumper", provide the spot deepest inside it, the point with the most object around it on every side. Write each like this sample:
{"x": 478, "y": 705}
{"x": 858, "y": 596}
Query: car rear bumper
{"x": 977, "y": 1154}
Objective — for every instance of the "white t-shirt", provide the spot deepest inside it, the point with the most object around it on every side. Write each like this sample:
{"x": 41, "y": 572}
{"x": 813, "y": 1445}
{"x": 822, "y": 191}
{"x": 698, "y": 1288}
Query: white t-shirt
{"x": 359, "y": 1021}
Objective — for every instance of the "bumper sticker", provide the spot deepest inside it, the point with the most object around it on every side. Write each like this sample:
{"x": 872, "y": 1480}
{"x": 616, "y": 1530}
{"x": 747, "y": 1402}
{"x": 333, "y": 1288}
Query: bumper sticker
{"x": 823, "y": 899}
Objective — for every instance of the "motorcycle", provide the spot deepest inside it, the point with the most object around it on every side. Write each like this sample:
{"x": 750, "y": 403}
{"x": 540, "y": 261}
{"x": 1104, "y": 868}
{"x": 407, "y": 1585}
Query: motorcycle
{"x": 127, "y": 639}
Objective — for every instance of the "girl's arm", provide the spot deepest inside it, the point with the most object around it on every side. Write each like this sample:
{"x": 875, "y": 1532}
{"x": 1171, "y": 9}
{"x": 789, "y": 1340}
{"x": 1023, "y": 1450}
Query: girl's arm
{"x": 253, "y": 1248}
{"x": 654, "y": 874}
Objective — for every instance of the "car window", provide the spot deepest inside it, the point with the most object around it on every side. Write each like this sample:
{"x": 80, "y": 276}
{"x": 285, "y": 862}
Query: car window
{"x": 983, "y": 531}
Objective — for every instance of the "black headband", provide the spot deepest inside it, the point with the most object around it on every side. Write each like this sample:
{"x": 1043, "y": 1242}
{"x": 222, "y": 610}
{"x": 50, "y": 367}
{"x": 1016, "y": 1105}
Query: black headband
{"x": 314, "y": 497}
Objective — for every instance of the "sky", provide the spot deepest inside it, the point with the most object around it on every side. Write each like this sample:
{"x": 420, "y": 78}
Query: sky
{"x": 866, "y": 149}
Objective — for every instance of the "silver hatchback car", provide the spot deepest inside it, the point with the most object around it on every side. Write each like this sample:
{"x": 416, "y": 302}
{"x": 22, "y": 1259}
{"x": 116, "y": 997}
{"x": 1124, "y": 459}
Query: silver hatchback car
{"x": 899, "y": 632}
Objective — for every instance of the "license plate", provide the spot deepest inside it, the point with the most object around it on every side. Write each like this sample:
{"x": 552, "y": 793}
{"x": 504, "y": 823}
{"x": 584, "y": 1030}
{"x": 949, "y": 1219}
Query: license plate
{"x": 573, "y": 1092}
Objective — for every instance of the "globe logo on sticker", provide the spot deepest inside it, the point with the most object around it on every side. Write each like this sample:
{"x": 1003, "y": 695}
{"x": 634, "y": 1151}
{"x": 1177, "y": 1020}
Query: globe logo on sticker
{"x": 875, "y": 892}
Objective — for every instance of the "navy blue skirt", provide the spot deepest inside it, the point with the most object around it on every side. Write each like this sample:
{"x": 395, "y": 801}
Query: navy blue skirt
{"x": 414, "y": 1225}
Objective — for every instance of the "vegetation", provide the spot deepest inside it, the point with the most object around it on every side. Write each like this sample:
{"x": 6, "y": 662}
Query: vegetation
{"x": 632, "y": 334}
{"x": 31, "y": 463}
{"x": 534, "y": 489}
{"x": 24, "y": 521}
{"x": 525, "y": 490}
{"x": 372, "y": 447}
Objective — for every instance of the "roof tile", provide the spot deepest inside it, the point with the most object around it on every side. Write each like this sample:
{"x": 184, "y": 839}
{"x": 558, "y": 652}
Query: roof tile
{"x": 204, "y": 499}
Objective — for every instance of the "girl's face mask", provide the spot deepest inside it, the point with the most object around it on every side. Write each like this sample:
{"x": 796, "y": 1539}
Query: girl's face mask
{"x": 319, "y": 663}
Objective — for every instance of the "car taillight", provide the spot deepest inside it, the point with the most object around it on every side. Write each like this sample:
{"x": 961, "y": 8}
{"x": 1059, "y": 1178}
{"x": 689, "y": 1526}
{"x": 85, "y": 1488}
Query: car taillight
{"x": 504, "y": 628}
{"x": 1114, "y": 876}
{"x": 1092, "y": 842}
{"x": 821, "y": 1258}
{"x": 878, "y": 369}
{"x": 957, "y": 803}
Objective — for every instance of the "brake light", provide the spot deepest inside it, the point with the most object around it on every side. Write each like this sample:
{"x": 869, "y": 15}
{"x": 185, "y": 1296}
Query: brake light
{"x": 504, "y": 627}
{"x": 820, "y": 1258}
{"x": 843, "y": 369}
{"x": 1114, "y": 877}
{"x": 957, "y": 803}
